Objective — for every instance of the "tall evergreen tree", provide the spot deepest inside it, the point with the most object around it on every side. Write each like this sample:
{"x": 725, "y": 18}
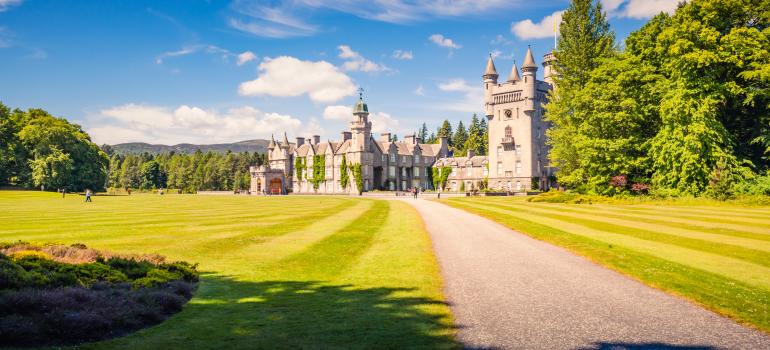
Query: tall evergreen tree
{"x": 445, "y": 131}
{"x": 475, "y": 136}
{"x": 423, "y": 134}
{"x": 459, "y": 138}
{"x": 585, "y": 39}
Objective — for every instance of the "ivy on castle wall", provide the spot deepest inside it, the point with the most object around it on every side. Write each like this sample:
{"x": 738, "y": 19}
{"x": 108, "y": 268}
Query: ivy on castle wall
{"x": 344, "y": 178}
{"x": 319, "y": 170}
{"x": 440, "y": 179}
{"x": 358, "y": 178}
{"x": 299, "y": 167}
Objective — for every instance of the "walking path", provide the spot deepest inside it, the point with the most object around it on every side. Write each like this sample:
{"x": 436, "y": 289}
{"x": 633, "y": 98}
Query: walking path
{"x": 509, "y": 291}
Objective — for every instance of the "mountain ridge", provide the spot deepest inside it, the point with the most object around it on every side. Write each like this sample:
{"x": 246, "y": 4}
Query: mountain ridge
{"x": 255, "y": 145}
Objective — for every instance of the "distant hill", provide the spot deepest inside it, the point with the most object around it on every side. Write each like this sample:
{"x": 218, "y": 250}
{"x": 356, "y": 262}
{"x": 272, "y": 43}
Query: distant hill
{"x": 186, "y": 148}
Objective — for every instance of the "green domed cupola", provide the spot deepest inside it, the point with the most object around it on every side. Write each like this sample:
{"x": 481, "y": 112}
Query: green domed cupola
{"x": 361, "y": 107}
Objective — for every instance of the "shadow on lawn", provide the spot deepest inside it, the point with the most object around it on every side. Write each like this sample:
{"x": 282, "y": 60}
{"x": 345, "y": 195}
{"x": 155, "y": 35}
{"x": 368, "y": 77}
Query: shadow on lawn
{"x": 645, "y": 346}
{"x": 300, "y": 314}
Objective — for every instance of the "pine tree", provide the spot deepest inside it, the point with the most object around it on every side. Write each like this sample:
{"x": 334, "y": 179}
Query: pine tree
{"x": 423, "y": 134}
{"x": 445, "y": 131}
{"x": 475, "y": 136}
{"x": 459, "y": 138}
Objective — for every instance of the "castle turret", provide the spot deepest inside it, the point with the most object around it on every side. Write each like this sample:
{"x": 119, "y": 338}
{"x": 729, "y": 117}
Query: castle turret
{"x": 529, "y": 73}
{"x": 360, "y": 127}
{"x": 490, "y": 80}
{"x": 514, "y": 77}
{"x": 549, "y": 69}
{"x": 271, "y": 145}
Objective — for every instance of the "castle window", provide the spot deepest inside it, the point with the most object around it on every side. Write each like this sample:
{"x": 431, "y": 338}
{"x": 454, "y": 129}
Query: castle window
{"x": 518, "y": 167}
{"x": 417, "y": 159}
{"x": 486, "y": 171}
{"x": 499, "y": 168}
{"x": 508, "y": 131}
{"x": 392, "y": 157}
{"x": 392, "y": 171}
{"x": 468, "y": 170}
{"x": 518, "y": 149}
{"x": 417, "y": 171}
{"x": 499, "y": 151}
{"x": 508, "y": 173}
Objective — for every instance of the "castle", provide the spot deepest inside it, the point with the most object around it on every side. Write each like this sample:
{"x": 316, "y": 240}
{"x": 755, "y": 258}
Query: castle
{"x": 517, "y": 160}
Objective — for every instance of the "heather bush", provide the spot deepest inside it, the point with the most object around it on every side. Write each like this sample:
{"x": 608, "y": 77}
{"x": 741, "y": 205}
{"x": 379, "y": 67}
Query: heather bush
{"x": 46, "y": 300}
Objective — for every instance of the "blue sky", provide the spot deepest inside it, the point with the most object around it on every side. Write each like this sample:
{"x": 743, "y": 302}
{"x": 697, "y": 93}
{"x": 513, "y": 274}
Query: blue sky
{"x": 223, "y": 71}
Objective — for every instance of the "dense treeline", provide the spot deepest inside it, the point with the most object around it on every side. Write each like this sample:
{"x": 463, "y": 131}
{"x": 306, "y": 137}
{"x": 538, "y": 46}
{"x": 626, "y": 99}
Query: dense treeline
{"x": 684, "y": 109}
{"x": 187, "y": 172}
{"x": 475, "y": 138}
{"x": 40, "y": 150}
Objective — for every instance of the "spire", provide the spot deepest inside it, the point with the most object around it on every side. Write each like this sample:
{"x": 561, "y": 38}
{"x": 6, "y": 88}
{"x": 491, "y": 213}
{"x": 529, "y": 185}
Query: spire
{"x": 285, "y": 140}
{"x": 529, "y": 60}
{"x": 491, "y": 71}
{"x": 514, "y": 77}
{"x": 360, "y": 107}
{"x": 272, "y": 142}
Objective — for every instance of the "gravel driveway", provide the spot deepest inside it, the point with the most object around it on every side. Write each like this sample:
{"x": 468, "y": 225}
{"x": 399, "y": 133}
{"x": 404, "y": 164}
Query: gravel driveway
{"x": 509, "y": 291}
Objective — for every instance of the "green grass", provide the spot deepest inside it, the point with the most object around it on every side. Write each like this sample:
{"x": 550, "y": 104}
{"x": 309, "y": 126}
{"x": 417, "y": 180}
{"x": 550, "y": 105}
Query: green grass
{"x": 717, "y": 256}
{"x": 279, "y": 272}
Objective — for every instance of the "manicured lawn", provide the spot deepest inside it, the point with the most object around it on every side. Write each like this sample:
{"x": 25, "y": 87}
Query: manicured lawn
{"x": 279, "y": 272}
{"x": 718, "y": 256}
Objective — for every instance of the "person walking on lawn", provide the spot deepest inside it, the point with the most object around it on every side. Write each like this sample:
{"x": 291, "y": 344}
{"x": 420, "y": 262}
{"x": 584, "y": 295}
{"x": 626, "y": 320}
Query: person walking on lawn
{"x": 88, "y": 195}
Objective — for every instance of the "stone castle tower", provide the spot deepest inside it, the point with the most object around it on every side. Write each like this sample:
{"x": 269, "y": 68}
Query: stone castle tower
{"x": 518, "y": 154}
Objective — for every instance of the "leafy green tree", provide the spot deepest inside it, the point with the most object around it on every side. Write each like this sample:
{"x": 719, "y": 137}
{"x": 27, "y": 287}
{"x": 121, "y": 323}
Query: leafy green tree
{"x": 53, "y": 170}
{"x": 152, "y": 175}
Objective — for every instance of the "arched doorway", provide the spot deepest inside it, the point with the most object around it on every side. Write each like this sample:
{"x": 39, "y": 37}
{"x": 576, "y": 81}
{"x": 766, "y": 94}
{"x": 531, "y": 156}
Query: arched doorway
{"x": 275, "y": 186}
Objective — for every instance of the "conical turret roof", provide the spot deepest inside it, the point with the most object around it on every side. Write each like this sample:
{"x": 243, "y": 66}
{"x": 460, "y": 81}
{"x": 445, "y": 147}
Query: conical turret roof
{"x": 285, "y": 140}
{"x": 272, "y": 142}
{"x": 514, "y": 77}
{"x": 529, "y": 60}
{"x": 490, "y": 67}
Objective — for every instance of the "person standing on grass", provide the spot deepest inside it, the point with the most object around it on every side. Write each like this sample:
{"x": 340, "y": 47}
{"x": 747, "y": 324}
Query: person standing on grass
{"x": 88, "y": 195}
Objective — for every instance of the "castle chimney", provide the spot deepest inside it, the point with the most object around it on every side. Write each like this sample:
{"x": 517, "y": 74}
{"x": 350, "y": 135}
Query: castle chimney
{"x": 471, "y": 153}
{"x": 346, "y": 135}
{"x": 300, "y": 141}
{"x": 385, "y": 137}
{"x": 316, "y": 139}
{"x": 409, "y": 138}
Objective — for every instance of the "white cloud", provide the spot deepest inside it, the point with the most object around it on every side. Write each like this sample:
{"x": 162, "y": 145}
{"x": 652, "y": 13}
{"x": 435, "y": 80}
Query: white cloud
{"x": 288, "y": 76}
{"x": 472, "y": 96}
{"x": 641, "y": 9}
{"x": 500, "y": 40}
{"x": 638, "y": 9}
{"x": 246, "y": 57}
{"x": 357, "y": 63}
{"x": 546, "y": 28}
{"x": 402, "y": 55}
{"x": 442, "y": 41}
{"x": 384, "y": 122}
{"x": 499, "y": 54}
{"x": 338, "y": 113}
{"x": 192, "y": 49}
{"x": 270, "y": 21}
{"x": 6, "y": 4}
{"x": 157, "y": 124}
{"x": 419, "y": 91}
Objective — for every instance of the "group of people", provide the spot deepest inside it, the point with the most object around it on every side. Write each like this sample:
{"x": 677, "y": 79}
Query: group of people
{"x": 414, "y": 191}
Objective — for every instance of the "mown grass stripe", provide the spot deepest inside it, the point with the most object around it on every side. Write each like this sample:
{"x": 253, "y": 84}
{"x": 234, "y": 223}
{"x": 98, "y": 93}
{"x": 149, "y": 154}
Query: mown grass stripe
{"x": 661, "y": 221}
{"x": 741, "y": 270}
{"x": 727, "y": 296}
{"x": 653, "y": 209}
{"x": 647, "y": 230}
{"x": 337, "y": 252}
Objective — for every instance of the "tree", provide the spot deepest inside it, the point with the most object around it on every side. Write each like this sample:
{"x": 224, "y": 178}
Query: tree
{"x": 475, "y": 137}
{"x": 152, "y": 175}
{"x": 52, "y": 170}
{"x": 445, "y": 131}
{"x": 423, "y": 134}
{"x": 12, "y": 152}
{"x": 484, "y": 136}
{"x": 459, "y": 138}
{"x": 585, "y": 39}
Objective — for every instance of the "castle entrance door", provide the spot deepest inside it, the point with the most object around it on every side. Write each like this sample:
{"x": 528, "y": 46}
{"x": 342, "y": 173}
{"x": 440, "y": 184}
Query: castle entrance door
{"x": 275, "y": 186}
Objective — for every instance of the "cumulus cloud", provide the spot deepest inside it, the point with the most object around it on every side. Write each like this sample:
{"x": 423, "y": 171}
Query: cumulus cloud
{"x": 546, "y": 28}
{"x": 442, "y": 41}
{"x": 641, "y": 9}
{"x": 384, "y": 122}
{"x": 357, "y": 63}
{"x": 402, "y": 55}
{"x": 472, "y": 96}
{"x": 499, "y": 54}
{"x": 246, "y": 57}
{"x": 6, "y": 4}
{"x": 287, "y": 76}
{"x": 158, "y": 124}
{"x": 338, "y": 113}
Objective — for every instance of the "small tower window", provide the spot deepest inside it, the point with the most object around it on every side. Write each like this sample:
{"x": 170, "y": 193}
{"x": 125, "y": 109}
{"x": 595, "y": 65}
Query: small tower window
{"x": 508, "y": 131}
